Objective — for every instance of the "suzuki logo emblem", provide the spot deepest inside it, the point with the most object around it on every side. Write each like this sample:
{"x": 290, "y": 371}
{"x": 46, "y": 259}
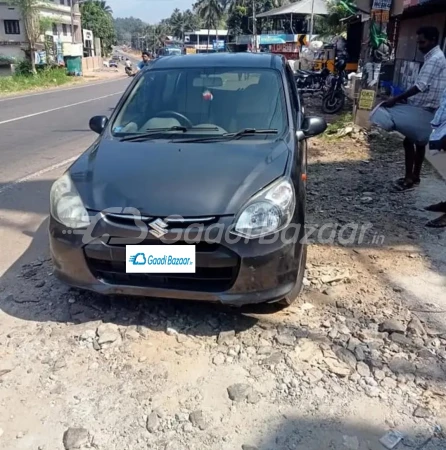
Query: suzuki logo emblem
{"x": 159, "y": 228}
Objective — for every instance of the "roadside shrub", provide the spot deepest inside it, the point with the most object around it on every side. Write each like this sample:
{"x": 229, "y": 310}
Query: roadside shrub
{"x": 23, "y": 68}
{"x": 45, "y": 78}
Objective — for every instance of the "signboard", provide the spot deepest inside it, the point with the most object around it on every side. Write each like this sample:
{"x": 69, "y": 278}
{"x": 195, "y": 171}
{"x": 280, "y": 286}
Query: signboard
{"x": 410, "y": 3}
{"x": 384, "y": 5}
{"x": 191, "y": 51}
{"x": 290, "y": 47}
{"x": 367, "y": 99}
{"x": 218, "y": 45}
{"x": 88, "y": 35}
{"x": 380, "y": 16}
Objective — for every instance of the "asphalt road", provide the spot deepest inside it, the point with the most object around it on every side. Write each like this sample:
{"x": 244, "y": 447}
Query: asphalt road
{"x": 40, "y": 135}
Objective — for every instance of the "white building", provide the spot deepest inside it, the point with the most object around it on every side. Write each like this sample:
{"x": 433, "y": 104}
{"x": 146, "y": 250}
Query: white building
{"x": 199, "y": 39}
{"x": 61, "y": 12}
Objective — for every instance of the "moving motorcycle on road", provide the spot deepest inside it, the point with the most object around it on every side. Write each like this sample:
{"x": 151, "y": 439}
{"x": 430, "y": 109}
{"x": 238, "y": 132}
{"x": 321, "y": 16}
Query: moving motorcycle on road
{"x": 129, "y": 68}
{"x": 129, "y": 72}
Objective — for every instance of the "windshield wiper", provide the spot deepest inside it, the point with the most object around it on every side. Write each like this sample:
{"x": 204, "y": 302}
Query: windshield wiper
{"x": 247, "y": 132}
{"x": 153, "y": 131}
{"x": 149, "y": 133}
{"x": 230, "y": 136}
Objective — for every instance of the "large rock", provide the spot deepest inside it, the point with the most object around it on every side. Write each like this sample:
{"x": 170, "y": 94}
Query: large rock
{"x": 226, "y": 337}
{"x": 107, "y": 334}
{"x": 363, "y": 369}
{"x": 338, "y": 367}
{"x": 197, "y": 419}
{"x": 393, "y": 326}
{"x": 347, "y": 357}
{"x": 416, "y": 327}
{"x": 153, "y": 422}
{"x": 76, "y": 438}
{"x": 400, "y": 365}
{"x": 239, "y": 392}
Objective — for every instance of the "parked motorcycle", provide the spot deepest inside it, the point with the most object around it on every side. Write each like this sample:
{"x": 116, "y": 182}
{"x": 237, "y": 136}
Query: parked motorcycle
{"x": 334, "y": 99}
{"x": 312, "y": 82}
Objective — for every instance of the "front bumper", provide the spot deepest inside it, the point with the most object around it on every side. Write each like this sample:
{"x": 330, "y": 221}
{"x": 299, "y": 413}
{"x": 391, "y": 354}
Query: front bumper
{"x": 233, "y": 273}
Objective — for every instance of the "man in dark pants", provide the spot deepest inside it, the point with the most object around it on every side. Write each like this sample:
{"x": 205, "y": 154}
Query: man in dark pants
{"x": 437, "y": 142}
{"x": 412, "y": 112}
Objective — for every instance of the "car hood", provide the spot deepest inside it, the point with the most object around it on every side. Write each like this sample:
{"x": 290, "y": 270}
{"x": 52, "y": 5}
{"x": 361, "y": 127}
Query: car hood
{"x": 162, "y": 179}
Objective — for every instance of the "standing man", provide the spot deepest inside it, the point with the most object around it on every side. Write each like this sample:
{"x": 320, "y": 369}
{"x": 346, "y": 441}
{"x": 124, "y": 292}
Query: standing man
{"x": 437, "y": 142}
{"x": 145, "y": 61}
{"x": 412, "y": 112}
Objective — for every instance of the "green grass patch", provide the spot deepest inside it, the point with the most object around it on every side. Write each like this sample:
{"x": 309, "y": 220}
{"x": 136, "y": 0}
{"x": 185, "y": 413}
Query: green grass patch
{"x": 43, "y": 79}
{"x": 334, "y": 128}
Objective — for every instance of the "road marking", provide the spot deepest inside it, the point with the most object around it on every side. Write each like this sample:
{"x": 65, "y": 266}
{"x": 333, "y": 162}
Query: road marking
{"x": 13, "y": 184}
{"x": 58, "y": 108}
{"x": 92, "y": 84}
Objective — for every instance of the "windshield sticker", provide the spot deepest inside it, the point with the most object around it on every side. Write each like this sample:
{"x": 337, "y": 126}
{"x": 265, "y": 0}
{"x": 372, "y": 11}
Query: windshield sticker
{"x": 207, "y": 95}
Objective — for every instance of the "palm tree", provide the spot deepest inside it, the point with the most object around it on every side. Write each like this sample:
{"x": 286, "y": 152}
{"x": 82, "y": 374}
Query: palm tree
{"x": 156, "y": 35}
{"x": 180, "y": 22}
{"x": 211, "y": 12}
{"x": 106, "y": 8}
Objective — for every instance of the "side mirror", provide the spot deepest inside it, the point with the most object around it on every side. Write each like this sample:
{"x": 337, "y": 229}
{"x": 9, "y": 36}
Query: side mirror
{"x": 98, "y": 124}
{"x": 313, "y": 126}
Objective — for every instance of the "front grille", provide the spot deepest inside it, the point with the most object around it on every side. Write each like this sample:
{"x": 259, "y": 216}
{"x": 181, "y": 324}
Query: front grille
{"x": 200, "y": 247}
{"x": 205, "y": 279}
{"x": 178, "y": 223}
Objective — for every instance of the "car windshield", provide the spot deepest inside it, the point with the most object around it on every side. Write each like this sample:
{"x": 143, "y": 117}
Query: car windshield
{"x": 204, "y": 101}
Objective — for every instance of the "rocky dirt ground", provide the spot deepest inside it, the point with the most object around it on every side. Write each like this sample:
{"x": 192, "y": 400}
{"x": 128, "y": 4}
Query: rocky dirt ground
{"x": 360, "y": 358}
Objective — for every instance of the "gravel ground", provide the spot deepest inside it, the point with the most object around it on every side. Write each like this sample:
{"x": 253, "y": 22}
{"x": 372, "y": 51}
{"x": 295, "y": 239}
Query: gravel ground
{"x": 362, "y": 353}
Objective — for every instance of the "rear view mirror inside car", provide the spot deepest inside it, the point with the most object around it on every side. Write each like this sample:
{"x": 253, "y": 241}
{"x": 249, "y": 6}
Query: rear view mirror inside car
{"x": 208, "y": 82}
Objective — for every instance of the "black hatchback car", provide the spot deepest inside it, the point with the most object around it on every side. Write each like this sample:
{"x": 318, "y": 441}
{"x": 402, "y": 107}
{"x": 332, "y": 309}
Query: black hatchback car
{"x": 195, "y": 188}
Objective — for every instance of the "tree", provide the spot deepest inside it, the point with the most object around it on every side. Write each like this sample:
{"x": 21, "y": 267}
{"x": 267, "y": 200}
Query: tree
{"x": 241, "y": 11}
{"x": 106, "y": 8}
{"x": 156, "y": 35}
{"x": 181, "y": 22}
{"x": 30, "y": 11}
{"x": 331, "y": 24}
{"x": 211, "y": 12}
{"x": 129, "y": 29}
{"x": 100, "y": 22}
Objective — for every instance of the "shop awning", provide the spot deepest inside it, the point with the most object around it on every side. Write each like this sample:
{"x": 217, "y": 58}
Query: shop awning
{"x": 302, "y": 7}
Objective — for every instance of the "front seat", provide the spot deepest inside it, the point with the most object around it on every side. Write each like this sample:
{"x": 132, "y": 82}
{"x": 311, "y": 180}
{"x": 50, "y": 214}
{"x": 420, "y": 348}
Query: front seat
{"x": 258, "y": 106}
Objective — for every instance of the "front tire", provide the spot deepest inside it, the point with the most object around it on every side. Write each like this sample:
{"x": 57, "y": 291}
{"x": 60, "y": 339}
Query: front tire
{"x": 294, "y": 294}
{"x": 333, "y": 102}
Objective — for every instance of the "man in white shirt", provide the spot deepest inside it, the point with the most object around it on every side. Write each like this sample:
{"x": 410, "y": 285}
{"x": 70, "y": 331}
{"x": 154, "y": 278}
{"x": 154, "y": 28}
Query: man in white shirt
{"x": 413, "y": 119}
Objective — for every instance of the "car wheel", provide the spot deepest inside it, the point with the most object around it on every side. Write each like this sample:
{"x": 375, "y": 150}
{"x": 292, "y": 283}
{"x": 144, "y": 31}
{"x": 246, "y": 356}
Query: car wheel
{"x": 294, "y": 294}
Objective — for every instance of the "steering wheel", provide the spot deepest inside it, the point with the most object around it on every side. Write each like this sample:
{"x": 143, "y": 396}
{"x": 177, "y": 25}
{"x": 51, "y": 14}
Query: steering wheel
{"x": 176, "y": 115}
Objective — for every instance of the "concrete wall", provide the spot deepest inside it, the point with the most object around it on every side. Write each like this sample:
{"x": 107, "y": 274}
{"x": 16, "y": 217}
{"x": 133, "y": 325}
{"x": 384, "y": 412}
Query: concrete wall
{"x": 408, "y": 58}
{"x": 91, "y": 63}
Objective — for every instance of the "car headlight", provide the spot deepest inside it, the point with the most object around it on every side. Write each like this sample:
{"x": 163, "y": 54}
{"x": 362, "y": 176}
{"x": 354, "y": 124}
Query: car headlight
{"x": 66, "y": 205}
{"x": 269, "y": 211}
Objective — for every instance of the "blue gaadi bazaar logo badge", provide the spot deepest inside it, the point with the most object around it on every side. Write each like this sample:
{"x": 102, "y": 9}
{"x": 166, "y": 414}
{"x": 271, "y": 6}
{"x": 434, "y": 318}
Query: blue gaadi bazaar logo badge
{"x": 138, "y": 260}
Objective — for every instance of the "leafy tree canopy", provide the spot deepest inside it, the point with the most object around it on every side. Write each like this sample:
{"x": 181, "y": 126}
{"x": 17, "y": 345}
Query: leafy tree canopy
{"x": 100, "y": 22}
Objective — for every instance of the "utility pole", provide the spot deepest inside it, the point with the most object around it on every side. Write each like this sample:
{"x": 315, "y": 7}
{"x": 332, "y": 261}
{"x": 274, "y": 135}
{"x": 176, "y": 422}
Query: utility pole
{"x": 312, "y": 21}
{"x": 73, "y": 38}
{"x": 254, "y": 24}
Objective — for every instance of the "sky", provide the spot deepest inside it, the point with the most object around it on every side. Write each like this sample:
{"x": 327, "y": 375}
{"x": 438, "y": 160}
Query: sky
{"x": 150, "y": 11}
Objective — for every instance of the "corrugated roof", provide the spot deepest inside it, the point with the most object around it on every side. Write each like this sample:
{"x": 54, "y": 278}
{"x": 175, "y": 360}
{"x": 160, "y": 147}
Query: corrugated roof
{"x": 302, "y": 7}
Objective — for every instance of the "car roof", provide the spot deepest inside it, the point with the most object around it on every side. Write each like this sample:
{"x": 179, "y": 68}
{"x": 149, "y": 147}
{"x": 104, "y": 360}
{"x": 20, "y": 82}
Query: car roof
{"x": 204, "y": 60}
